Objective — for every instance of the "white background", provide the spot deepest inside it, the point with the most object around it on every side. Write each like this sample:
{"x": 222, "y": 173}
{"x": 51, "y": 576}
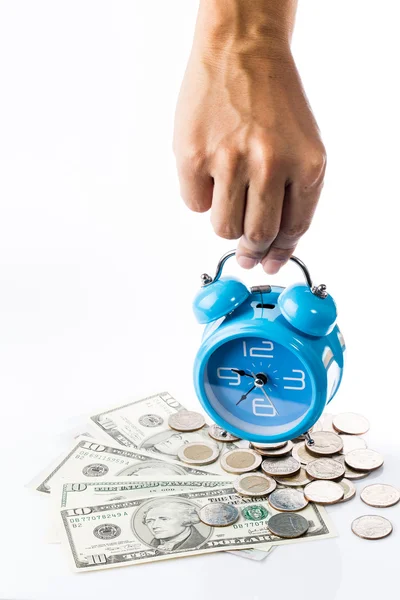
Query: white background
{"x": 100, "y": 259}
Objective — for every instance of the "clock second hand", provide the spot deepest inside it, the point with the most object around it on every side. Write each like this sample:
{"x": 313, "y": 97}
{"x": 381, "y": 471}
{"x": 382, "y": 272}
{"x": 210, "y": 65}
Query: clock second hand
{"x": 261, "y": 387}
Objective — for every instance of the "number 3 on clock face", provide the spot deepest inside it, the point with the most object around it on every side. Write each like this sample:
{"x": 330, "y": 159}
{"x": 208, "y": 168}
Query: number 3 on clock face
{"x": 253, "y": 382}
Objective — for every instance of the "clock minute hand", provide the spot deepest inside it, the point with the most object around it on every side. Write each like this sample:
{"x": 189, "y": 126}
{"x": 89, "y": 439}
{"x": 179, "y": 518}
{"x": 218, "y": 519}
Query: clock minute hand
{"x": 245, "y": 395}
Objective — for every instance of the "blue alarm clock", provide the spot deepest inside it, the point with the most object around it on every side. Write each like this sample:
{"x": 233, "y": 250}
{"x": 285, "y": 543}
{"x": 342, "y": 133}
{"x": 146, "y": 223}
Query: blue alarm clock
{"x": 270, "y": 359}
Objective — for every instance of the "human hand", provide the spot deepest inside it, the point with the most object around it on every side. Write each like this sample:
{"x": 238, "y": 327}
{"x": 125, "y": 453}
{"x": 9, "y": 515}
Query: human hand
{"x": 246, "y": 142}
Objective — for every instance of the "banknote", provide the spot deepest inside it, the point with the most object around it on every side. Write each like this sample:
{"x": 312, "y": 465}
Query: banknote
{"x": 75, "y": 494}
{"x": 143, "y": 425}
{"x": 152, "y": 528}
{"x": 89, "y": 460}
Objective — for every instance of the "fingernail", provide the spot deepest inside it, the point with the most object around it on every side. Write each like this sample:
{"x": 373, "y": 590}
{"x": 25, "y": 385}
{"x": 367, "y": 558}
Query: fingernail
{"x": 247, "y": 262}
{"x": 272, "y": 266}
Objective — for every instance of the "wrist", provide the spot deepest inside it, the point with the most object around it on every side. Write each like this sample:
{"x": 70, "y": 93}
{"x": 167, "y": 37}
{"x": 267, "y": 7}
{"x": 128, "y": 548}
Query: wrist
{"x": 253, "y": 27}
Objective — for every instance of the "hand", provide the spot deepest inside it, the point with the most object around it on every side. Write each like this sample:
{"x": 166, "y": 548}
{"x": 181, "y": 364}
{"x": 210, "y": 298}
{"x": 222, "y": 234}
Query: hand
{"x": 246, "y": 142}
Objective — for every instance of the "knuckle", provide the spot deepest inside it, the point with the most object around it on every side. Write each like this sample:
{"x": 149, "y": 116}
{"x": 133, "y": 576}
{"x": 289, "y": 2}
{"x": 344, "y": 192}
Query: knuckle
{"x": 191, "y": 160}
{"x": 226, "y": 231}
{"x": 260, "y": 236}
{"x": 267, "y": 158}
{"x": 313, "y": 168}
{"x": 227, "y": 158}
{"x": 294, "y": 232}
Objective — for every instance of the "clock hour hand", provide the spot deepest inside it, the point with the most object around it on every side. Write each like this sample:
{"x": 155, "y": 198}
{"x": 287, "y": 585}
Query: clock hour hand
{"x": 242, "y": 373}
{"x": 245, "y": 395}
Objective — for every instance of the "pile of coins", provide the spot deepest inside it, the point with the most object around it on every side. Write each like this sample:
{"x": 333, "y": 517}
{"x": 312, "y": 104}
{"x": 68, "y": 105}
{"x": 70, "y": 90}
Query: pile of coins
{"x": 318, "y": 467}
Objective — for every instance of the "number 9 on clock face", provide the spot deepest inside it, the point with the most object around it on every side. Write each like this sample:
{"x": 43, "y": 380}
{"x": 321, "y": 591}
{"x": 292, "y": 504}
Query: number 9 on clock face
{"x": 257, "y": 385}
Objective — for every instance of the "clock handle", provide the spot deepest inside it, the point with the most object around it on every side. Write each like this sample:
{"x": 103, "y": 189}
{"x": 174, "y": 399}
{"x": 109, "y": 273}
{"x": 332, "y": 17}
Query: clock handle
{"x": 206, "y": 279}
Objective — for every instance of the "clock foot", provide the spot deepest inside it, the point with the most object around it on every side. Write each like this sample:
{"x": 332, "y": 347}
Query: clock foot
{"x": 309, "y": 440}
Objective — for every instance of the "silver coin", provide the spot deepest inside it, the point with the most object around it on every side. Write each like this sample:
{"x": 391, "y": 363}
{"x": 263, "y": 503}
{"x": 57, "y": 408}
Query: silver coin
{"x": 271, "y": 446}
{"x": 351, "y": 423}
{"x": 348, "y": 472}
{"x": 218, "y": 514}
{"x": 380, "y": 495}
{"x": 364, "y": 459}
{"x": 219, "y": 434}
{"x": 352, "y": 442}
{"x": 324, "y": 492}
{"x": 299, "y": 479}
{"x": 186, "y": 420}
{"x": 288, "y": 525}
{"x": 240, "y": 461}
{"x": 326, "y": 443}
{"x": 275, "y": 451}
{"x": 325, "y": 468}
{"x": 287, "y": 500}
{"x": 348, "y": 488}
{"x": 286, "y": 465}
{"x": 254, "y": 484}
{"x": 301, "y": 453}
{"x": 371, "y": 527}
{"x": 198, "y": 453}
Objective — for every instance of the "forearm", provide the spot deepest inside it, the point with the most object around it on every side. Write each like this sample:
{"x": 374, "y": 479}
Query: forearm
{"x": 252, "y": 27}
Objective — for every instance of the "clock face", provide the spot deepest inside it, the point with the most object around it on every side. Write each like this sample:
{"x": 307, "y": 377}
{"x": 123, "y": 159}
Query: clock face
{"x": 258, "y": 386}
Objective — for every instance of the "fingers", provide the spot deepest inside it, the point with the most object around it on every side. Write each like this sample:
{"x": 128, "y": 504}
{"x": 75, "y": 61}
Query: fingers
{"x": 262, "y": 219}
{"x": 196, "y": 183}
{"x": 300, "y": 202}
{"x": 229, "y": 196}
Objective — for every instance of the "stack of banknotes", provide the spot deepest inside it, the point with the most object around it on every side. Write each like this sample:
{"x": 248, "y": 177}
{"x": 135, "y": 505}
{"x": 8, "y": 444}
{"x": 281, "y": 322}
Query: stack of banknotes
{"x": 121, "y": 496}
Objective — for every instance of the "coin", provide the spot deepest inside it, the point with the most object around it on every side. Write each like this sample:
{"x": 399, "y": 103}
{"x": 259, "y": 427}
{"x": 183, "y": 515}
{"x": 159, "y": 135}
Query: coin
{"x": 325, "y": 468}
{"x": 198, "y": 453}
{"x": 371, "y": 527}
{"x": 296, "y": 480}
{"x": 301, "y": 453}
{"x": 219, "y": 434}
{"x": 348, "y": 488}
{"x": 240, "y": 461}
{"x": 218, "y": 514}
{"x": 352, "y": 442}
{"x": 275, "y": 451}
{"x": 351, "y": 423}
{"x": 280, "y": 466}
{"x": 324, "y": 492}
{"x": 288, "y": 525}
{"x": 326, "y": 443}
{"x": 186, "y": 420}
{"x": 254, "y": 484}
{"x": 348, "y": 472}
{"x": 272, "y": 446}
{"x": 287, "y": 500}
{"x": 364, "y": 459}
{"x": 380, "y": 495}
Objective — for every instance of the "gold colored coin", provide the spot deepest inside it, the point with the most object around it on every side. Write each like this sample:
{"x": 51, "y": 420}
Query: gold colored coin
{"x": 254, "y": 484}
{"x": 240, "y": 461}
{"x": 198, "y": 453}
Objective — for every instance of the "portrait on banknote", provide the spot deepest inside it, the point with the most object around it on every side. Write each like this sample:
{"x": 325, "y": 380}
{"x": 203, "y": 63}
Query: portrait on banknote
{"x": 170, "y": 525}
